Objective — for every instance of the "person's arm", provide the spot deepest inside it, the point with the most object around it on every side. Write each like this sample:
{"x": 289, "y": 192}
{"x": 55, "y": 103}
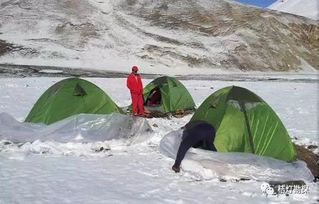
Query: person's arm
{"x": 140, "y": 84}
{"x": 186, "y": 143}
{"x": 128, "y": 82}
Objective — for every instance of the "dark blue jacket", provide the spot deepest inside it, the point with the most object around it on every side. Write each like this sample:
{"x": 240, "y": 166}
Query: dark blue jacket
{"x": 196, "y": 134}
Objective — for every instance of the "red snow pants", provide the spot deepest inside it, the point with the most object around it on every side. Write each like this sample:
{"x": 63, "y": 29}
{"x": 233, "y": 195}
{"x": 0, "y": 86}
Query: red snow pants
{"x": 137, "y": 104}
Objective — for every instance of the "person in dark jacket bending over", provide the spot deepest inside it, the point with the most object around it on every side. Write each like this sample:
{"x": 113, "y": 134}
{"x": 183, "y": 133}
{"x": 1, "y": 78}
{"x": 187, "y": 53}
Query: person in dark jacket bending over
{"x": 196, "y": 134}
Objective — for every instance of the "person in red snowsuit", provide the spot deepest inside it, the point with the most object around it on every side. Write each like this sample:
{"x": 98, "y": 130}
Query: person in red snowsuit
{"x": 134, "y": 84}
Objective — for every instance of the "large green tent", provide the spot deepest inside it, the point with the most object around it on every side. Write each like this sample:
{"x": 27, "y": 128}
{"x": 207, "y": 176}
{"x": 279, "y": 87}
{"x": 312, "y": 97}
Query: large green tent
{"x": 70, "y": 97}
{"x": 245, "y": 123}
{"x": 167, "y": 95}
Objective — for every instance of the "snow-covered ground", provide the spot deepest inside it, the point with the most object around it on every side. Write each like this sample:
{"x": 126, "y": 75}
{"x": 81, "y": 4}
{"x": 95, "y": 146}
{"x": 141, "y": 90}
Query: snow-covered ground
{"x": 124, "y": 172}
{"x": 306, "y": 8}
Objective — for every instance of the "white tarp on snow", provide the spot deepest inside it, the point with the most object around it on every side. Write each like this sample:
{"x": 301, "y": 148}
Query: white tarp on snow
{"x": 79, "y": 128}
{"x": 234, "y": 165}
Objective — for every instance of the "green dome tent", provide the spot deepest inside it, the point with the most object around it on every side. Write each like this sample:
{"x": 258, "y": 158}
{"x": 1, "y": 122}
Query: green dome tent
{"x": 167, "y": 95}
{"x": 70, "y": 97}
{"x": 245, "y": 123}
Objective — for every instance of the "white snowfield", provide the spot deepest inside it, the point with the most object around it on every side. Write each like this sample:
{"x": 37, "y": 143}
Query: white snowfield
{"x": 72, "y": 161}
{"x": 306, "y": 8}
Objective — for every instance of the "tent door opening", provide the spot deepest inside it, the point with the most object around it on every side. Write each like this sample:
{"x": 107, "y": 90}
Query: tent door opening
{"x": 154, "y": 98}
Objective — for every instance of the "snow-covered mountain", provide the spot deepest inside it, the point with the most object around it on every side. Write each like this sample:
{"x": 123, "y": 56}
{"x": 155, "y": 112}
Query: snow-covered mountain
{"x": 162, "y": 36}
{"x": 307, "y": 8}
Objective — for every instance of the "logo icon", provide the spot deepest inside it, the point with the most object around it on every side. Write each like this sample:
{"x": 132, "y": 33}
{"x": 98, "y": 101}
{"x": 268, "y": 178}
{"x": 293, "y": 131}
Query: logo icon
{"x": 267, "y": 189}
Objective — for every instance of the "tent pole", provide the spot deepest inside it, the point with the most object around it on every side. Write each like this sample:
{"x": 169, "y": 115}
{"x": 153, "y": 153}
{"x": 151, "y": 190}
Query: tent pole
{"x": 242, "y": 106}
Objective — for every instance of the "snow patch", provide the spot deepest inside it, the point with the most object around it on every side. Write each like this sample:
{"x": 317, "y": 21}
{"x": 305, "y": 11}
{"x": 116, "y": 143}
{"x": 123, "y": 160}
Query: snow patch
{"x": 306, "y": 8}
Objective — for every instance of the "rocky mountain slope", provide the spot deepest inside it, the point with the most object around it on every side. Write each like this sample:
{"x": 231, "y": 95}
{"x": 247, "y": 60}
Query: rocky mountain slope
{"x": 169, "y": 34}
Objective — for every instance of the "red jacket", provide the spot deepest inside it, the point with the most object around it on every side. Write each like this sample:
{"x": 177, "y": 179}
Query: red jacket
{"x": 134, "y": 83}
